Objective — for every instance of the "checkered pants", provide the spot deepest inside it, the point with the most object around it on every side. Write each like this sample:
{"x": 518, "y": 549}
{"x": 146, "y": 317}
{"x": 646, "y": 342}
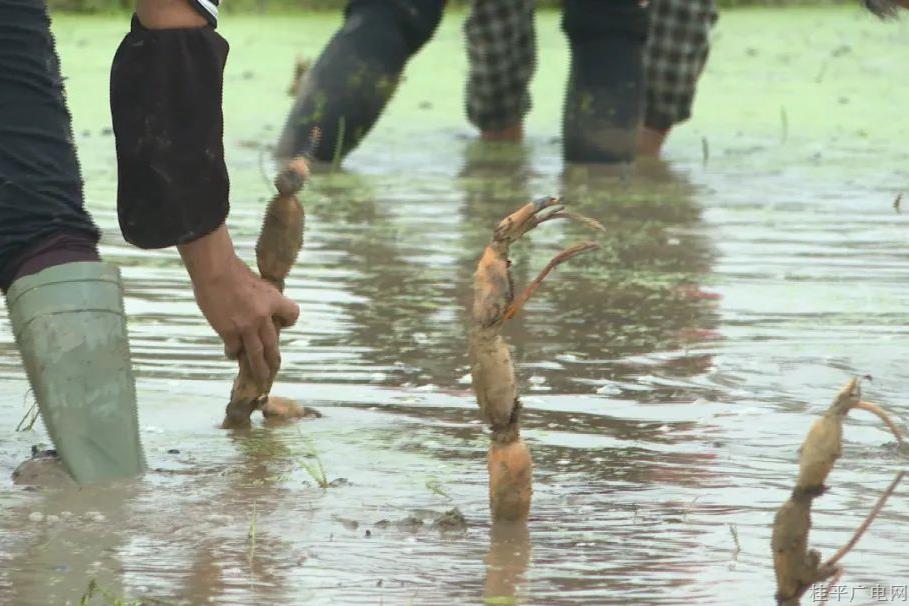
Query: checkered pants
{"x": 501, "y": 46}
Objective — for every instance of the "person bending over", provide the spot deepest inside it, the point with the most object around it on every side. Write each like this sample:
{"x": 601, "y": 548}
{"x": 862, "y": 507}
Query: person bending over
{"x": 64, "y": 304}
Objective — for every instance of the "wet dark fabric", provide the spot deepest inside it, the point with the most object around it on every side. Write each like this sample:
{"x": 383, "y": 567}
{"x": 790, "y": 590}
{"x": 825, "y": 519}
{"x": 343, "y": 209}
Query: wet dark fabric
{"x": 599, "y": 17}
{"x": 54, "y": 250}
{"x": 346, "y": 90}
{"x": 40, "y": 180}
{"x": 501, "y": 46}
{"x": 604, "y": 103}
{"x": 165, "y": 97}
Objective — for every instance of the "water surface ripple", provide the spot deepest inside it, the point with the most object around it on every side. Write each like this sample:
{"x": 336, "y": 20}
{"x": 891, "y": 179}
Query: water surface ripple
{"x": 668, "y": 378}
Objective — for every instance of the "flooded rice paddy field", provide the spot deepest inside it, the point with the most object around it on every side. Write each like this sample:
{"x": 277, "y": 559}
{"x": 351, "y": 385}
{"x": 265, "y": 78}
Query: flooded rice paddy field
{"x": 668, "y": 379}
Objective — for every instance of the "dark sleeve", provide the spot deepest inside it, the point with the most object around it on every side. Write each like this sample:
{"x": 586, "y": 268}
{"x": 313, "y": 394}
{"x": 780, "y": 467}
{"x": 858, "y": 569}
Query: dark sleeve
{"x": 208, "y": 9}
{"x": 166, "y": 105}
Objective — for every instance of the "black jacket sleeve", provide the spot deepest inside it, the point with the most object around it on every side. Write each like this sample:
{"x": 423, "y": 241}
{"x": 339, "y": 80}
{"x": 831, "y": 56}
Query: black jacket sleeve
{"x": 165, "y": 98}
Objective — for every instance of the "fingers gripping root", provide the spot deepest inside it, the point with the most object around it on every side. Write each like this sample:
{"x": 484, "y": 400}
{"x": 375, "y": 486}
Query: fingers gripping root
{"x": 277, "y": 247}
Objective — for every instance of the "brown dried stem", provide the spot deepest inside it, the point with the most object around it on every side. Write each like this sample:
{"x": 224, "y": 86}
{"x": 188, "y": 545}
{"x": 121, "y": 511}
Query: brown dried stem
{"x": 833, "y": 581}
{"x": 884, "y": 417}
{"x": 557, "y": 260}
{"x": 864, "y": 525}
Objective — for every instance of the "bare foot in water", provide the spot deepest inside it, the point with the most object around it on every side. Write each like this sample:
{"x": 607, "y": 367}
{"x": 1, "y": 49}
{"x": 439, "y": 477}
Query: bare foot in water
{"x": 509, "y": 134}
{"x": 650, "y": 141}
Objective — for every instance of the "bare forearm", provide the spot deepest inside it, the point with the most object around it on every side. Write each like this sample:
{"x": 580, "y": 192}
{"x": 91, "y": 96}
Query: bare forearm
{"x": 210, "y": 256}
{"x": 168, "y": 14}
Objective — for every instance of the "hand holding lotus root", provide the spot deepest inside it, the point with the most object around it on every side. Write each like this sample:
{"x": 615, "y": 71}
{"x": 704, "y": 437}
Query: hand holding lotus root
{"x": 279, "y": 243}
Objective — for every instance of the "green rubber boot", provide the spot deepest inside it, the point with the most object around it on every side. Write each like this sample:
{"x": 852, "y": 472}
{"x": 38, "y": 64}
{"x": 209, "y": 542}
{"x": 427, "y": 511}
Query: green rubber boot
{"x": 71, "y": 332}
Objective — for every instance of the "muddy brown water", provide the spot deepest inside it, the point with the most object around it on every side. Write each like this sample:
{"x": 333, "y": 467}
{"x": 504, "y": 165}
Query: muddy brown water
{"x": 668, "y": 378}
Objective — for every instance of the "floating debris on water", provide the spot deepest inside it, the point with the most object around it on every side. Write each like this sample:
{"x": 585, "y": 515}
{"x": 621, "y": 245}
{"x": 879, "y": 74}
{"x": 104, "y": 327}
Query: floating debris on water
{"x": 451, "y": 521}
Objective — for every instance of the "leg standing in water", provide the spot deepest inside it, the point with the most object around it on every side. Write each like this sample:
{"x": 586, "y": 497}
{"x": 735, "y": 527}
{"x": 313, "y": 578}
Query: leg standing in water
{"x": 604, "y": 100}
{"x": 502, "y": 54}
{"x": 345, "y": 91}
{"x": 65, "y": 306}
{"x": 501, "y": 47}
{"x": 678, "y": 44}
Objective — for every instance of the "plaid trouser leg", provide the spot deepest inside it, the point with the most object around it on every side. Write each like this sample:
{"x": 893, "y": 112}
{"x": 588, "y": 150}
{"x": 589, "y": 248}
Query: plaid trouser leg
{"x": 676, "y": 52}
{"x": 501, "y": 47}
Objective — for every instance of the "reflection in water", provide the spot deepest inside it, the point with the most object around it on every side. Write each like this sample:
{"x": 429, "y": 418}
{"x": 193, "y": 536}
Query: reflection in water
{"x": 667, "y": 379}
{"x": 395, "y": 298}
{"x": 217, "y": 568}
{"x": 82, "y": 536}
{"x": 640, "y": 293}
{"x": 506, "y": 562}
{"x": 386, "y": 279}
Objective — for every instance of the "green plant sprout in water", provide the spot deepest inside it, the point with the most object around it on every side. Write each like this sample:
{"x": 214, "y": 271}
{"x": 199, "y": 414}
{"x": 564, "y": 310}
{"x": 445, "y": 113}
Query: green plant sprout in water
{"x": 95, "y": 595}
{"x": 435, "y": 485}
{"x": 31, "y": 415}
{"x": 251, "y": 536}
{"x": 315, "y": 469}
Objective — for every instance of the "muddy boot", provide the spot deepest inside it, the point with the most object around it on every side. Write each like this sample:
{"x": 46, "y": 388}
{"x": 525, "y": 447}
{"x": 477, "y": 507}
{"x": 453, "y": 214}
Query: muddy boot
{"x": 346, "y": 90}
{"x": 71, "y": 331}
{"x": 604, "y": 100}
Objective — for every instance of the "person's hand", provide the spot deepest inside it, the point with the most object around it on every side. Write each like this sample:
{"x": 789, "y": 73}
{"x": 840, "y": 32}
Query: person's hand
{"x": 239, "y": 305}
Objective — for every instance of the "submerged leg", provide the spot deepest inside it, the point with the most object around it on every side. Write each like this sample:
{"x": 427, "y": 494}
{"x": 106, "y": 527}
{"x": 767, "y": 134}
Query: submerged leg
{"x": 347, "y": 88}
{"x": 678, "y": 43}
{"x": 501, "y": 48}
{"x": 604, "y": 102}
{"x": 65, "y": 306}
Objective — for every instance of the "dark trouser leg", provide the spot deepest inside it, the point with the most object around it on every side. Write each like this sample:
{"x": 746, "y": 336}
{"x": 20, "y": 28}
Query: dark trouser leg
{"x": 605, "y": 97}
{"x": 346, "y": 90}
{"x": 67, "y": 316}
{"x": 40, "y": 182}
